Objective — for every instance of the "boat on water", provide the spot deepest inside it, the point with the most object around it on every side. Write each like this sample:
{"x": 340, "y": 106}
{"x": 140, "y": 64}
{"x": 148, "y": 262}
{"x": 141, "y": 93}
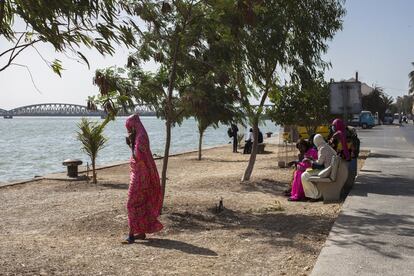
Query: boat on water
{"x": 8, "y": 116}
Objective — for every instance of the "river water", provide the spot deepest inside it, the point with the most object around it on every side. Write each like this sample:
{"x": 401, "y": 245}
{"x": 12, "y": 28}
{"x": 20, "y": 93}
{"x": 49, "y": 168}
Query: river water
{"x": 31, "y": 146}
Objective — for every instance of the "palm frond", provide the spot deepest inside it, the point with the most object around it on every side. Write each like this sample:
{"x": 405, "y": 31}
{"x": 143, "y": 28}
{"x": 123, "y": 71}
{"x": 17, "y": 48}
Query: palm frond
{"x": 90, "y": 134}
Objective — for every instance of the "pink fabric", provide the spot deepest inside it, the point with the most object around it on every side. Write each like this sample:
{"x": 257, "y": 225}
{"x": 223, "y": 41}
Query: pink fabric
{"x": 297, "y": 192}
{"x": 341, "y": 132}
{"x": 144, "y": 194}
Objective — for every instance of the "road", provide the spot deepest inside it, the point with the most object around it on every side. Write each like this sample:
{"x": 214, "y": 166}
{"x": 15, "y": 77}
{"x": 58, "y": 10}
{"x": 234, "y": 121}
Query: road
{"x": 374, "y": 233}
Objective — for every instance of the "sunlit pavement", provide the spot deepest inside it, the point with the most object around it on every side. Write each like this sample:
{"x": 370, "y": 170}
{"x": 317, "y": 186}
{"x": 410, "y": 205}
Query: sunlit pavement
{"x": 374, "y": 233}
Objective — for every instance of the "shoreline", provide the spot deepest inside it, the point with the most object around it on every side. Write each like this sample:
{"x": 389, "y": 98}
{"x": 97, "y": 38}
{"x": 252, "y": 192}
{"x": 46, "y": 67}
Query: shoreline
{"x": 82, "y": 169}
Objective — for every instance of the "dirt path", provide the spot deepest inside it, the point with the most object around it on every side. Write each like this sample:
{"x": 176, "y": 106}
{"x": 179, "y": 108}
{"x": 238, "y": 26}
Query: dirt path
{"x": 75, "y": 228}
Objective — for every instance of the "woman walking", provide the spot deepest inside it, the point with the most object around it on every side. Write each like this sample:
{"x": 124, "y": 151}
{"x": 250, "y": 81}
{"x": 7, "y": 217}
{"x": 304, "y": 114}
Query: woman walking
{"x": 144, "y": 194}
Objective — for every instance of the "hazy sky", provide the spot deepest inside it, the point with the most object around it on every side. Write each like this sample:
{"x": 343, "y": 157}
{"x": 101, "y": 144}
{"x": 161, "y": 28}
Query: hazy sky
{"x": 377, "y": 40}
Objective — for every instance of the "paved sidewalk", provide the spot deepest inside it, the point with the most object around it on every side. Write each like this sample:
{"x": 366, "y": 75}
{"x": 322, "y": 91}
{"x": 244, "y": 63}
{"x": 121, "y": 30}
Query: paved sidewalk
{"x": 374, "y": 233}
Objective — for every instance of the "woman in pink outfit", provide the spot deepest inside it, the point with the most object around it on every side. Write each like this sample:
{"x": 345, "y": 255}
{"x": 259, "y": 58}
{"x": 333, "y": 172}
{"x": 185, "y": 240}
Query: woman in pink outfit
{"x": 310, "y": 153}
{"x": 144, "y": 194}
{"x": 339, "y": 139}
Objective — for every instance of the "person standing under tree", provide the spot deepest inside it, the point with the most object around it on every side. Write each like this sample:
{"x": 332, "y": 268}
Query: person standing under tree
{"x": 248, "y": 142}
{"x": 234, "y": 130}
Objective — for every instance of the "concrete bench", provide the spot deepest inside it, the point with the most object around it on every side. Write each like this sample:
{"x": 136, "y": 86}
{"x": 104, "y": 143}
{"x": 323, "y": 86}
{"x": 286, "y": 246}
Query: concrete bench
{"x": 261, "y": 148}
{"x": 72, "y": 165}
{"x": 331, "y": 180}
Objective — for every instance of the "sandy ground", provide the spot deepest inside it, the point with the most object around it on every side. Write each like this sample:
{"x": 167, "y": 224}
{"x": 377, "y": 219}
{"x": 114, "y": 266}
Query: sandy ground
{"x": 75, "y": 228}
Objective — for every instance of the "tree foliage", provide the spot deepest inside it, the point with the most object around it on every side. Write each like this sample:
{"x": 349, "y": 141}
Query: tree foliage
{"x": 282, "y": 35}
{"x": 411, "y": 81}
{"x": 177, "y": 38}
{"x": 303, "y": 105}
{"x": 66, "y": 25}
{"x": 404, "y": 104}
{"x": 377, "y": 101}
{"x": 257, "y": 39}
{"x": 210, "y": 106}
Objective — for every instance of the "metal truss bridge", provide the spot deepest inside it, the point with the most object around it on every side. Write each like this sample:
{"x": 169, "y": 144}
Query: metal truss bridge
{"x": 63, "y": 109}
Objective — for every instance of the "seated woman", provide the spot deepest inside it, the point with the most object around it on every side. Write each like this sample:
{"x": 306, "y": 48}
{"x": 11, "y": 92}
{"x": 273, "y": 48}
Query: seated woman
{"x": 338, "y": 140}
{"x": 307, "y": 153}
{"x": 325, "y": 153}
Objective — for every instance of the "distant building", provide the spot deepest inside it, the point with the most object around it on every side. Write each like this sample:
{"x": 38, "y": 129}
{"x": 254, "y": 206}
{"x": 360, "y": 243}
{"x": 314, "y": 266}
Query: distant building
{"x": 365, "y": 88}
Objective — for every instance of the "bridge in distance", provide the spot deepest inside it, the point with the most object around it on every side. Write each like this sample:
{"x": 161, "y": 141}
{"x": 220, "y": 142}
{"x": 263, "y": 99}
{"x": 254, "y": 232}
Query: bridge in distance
{"x": 64, "y": 109}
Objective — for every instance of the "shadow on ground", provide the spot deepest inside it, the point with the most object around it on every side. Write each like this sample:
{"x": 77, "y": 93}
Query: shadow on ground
{"x": 178, "y": 245}
{"x": 369, "y": 223}
{"x": 117, "y": 186}
{"x": 380, "y": 155}
{"x": 276, "y": 228}
{"x": 375, "y": 184}
{"x": 265, "y": 185}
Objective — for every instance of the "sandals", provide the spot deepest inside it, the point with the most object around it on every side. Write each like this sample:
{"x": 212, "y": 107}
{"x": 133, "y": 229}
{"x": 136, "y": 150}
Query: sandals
{"x": 295, "y": 199}
{"x": 287, "y": 192}
{"x": 141, "y": 236}
{"x": 131, "y": 238}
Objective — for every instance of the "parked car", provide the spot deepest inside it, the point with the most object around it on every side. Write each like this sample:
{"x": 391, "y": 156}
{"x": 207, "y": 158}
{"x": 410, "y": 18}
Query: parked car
{"x": 388, "y": 119}
{"x": 364, "y": 120}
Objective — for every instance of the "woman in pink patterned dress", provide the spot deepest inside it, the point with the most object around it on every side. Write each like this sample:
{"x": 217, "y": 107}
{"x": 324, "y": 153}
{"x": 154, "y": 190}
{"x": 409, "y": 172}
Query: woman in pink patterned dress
{"x": 144, "y": 194}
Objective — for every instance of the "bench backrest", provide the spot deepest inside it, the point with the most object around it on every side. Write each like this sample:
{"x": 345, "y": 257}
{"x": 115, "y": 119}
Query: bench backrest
{"x": 334, "y": 167}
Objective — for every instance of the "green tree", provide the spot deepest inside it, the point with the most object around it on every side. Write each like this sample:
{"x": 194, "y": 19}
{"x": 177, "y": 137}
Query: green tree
{"x": 64, "y": 24}
{"x": 174, "y": 38}
{"x": 91, "y": 136}
{"x": 210, "y": 106}
{"x": 377, "y": 101}
{"x": 281, "y": 35}
{"x": 304, "y": 105}
{"x": 411, "y": 83}
{"x": 388, "y": 101}
{"x": 207, "y": 91}
{"x": 404, "y": 104}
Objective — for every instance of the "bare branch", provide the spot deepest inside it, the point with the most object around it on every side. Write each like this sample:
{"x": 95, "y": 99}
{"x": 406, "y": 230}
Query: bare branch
{"x": 20, "y": 46}
{"x": 45, "y": 60}
{"x": 17, "y": 44}
{"x": 12, "y": 57}
{"x": 30, "y": 73}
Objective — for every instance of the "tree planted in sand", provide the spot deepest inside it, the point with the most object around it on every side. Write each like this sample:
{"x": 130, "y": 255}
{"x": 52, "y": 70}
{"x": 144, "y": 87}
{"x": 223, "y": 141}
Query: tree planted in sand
{"x": 91, "y": 136}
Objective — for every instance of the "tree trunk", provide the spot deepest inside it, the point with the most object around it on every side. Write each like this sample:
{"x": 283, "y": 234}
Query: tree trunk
{"x": 249, "y": 170}
{"x": 165, "y": 158}
{"x": 168, "y": 117}
{"x": 252, "y": 160}
{"x": 94, "y": 180}
{"x": 200, "y": 144}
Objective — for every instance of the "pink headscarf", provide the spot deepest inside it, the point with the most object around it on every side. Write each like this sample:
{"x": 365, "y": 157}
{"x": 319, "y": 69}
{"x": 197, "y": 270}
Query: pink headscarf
{"x": 141, "y": 136}
{"x": 341, "y": 131}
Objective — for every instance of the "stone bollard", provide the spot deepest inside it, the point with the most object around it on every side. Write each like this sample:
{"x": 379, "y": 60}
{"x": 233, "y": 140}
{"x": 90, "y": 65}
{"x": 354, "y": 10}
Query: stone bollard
{"x": 72, "y": 165}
